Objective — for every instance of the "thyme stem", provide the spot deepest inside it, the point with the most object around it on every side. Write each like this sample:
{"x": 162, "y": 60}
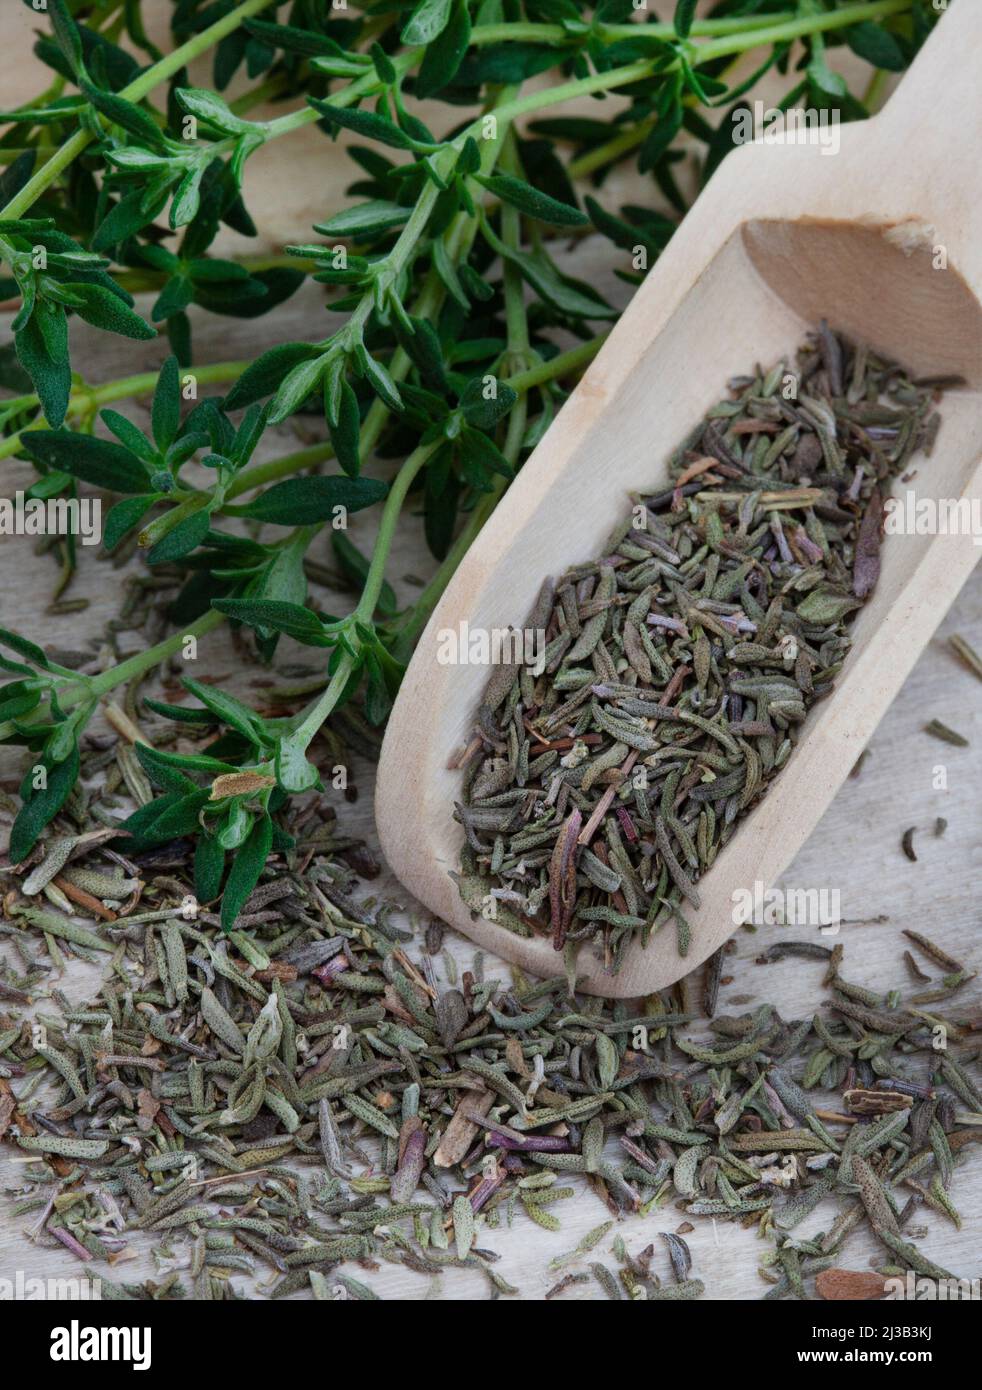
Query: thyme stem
{"x": 135, "y": 91}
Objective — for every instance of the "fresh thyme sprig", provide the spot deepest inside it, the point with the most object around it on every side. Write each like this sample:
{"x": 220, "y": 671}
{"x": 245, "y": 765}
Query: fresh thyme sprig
{"x": 440, "y": 260}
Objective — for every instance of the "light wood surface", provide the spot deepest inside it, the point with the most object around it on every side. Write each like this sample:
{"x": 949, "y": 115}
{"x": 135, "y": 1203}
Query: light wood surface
{"x": 908, "y": 779}
{"x": 782, "y": 236}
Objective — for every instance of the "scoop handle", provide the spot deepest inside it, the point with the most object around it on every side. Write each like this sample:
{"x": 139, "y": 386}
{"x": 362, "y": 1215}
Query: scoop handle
{"x": 931, "y": 127}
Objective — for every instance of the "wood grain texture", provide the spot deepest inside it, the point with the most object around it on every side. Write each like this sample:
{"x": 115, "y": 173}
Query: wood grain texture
{"x": 908, "y": 779}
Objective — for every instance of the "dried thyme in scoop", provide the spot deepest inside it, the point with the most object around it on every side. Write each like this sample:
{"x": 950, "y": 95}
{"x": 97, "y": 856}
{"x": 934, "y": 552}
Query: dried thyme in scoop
{"x": 660, "y": 687}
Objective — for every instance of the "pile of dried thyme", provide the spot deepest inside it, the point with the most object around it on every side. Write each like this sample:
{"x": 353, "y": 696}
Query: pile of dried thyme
{"x": 302, "y": 1099}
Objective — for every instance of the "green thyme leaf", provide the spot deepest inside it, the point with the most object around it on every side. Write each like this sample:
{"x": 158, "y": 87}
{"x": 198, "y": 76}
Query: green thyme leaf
{"x": 300, "y": 501}
{"x": 292, "y": 39}
{"x": 165, "y": 414}
{"x": 345, "y": 431}
{"x": 229, "y": 710}
{"x": 187, "y": 198}
{"x": 129, "y": 436}
{"x": 685, "y": 13}
{"x": 125, "y": 515}
{"x": 181, "y": 713}
{"x": 660, "y": 137}
{"x": 129, "y": 215}
{"x": 295, "y": 387}
{"x": 66, "y": 34}
{"x": 23, "y": 648}
{"x": 268, "y": 371}
{"x": 209, "y": 107}
{"x": 366, "y": 220}
{"x": 537, "y": 268}
{"x": 103, "y": 309}
{"x": 41, "y": 803}
{"x": 248, "y": 864}
{"x": 126, "y": 114}
{"x": 445, "y": 53}
{"x": 379, "y": 379}
{"x": 95, "y": 461}
{"x": 876, "y": 45}
{"x": 365, "y": 123}
{"x": 157, "y": 762}
{"x": 485, "y": 402}
{"x": 166, "y": 818}
{"x": 378, "y": 701}
{"x": 164, "y": 770}
{"x": 288, "y": 618}
{"x": 18, "y": 698}
{"x": 531, "y": 202}
{"x": 484, "y": 452}
{"x": 42, "y": 350}
{"x": 186, "y": 536}
{"x": 209, "y": 866}
{"x": 427, "y": 21}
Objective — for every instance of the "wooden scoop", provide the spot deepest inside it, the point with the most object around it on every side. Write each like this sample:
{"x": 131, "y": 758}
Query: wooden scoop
{"x": 884, "y": 240}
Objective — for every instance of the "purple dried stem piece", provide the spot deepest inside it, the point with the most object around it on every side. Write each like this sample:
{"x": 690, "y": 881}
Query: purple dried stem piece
{"x": 70, "y": 1242}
